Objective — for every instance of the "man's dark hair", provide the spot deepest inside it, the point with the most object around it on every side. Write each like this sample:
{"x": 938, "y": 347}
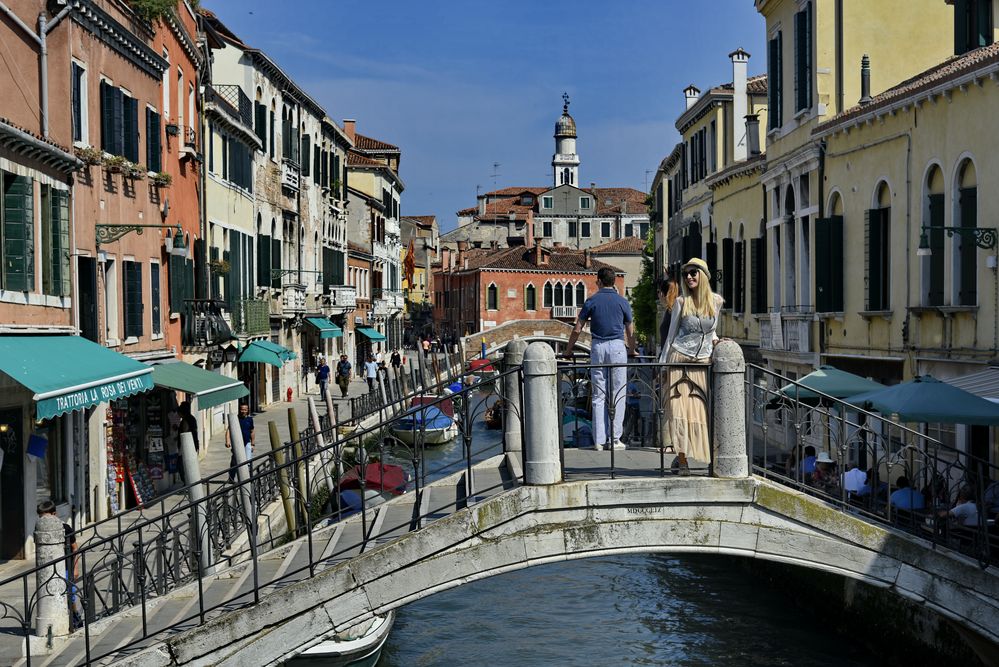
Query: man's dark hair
{"x": 46, "y": 507}
{"x": 606, "y": 276}
{"x": 809, "y": 451}
{"x": 902, "y": 482}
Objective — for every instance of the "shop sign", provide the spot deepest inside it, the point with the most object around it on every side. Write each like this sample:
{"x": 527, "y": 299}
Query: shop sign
{"x": 84, "y": 398}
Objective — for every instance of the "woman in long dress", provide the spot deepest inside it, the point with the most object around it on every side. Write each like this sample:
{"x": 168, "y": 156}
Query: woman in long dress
{"x": 692, "y": 335}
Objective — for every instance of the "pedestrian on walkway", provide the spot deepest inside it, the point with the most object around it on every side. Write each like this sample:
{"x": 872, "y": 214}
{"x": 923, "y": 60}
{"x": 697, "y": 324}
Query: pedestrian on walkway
{"x": 396, "y": 359}
{"x": 609, "y": 315}
{"x": 632, "y": 412}
{"x": 690, "y": 343}
{"x": 343, "y": 369}
{"x": 426, "y": 346}
{"x": 371, "y": 372}
{"x": 322, "y": 377}
{"x": 246, "y": 429}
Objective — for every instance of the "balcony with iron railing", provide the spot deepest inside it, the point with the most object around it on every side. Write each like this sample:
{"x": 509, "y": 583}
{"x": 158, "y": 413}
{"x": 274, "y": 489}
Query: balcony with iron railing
{"x": 231, "y": 99}
{"x": 203, "y": 323}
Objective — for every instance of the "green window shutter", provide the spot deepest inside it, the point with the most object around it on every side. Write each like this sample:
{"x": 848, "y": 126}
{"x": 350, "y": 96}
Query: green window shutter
{"x": 154, "y": 297}
{"x": 738, "y": 279}
{"x": 306, "y": 154}
{"x": 59, "y": 231}
{"x": 822, "y": 262}
{"x": 263, "y": 260}
{"x": 836, "y": 258}
{"x": 754, "y": 260}
{"x": 18, "y": 233}
{"x": 213, "y": 279}
{"x": 132, "y": 276}
{"x": 154, "y": 149}
{"x": 118, "y": 121}
{"x": 936, "y": 239}
{"x": 107, "y": 114}
{"x": 275, "y": 276}
{"x": 270, "y": 134}
{"x": 130, "y": 128}
{"x": 728, "y": 271}
{"x": 802, "y": 52}
{"x": 175, "y": 280}
{"x": 983, "y": 23}
{"x": 960, "y": 26}
{"x": 876, "y": 223}
{"x": 227, "y": 290}
{"x": 711, "y": 257}
{"x": 968, "y": 292}
{"x": 260, "y": 123}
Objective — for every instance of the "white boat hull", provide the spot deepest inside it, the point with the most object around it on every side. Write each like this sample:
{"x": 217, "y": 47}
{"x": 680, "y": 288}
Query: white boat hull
{"x": 431, "y": 436}
{"x": 347, "y": 649}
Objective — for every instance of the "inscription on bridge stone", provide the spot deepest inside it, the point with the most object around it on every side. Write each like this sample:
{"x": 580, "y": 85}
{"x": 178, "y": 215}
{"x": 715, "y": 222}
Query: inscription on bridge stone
{"x": 646, "y": 510}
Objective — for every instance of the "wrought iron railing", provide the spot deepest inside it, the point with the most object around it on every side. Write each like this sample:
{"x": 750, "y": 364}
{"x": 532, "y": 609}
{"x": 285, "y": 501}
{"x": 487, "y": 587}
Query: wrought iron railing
{"x": 783, "y": 430}
{"x": 232, "y": 100}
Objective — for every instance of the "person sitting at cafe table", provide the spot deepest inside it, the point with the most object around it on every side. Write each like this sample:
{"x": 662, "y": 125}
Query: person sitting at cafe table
{"x": 905, "y": 497}
{"x": 866, "y": 487}
{"x": 965, "y": 511}
{"x": 824, "y": 475}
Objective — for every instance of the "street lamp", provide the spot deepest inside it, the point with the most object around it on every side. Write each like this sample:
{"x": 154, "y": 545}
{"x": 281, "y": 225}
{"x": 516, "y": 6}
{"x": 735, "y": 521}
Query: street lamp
{"x": 984, "y": 237}
{"x": 111, "y": 233}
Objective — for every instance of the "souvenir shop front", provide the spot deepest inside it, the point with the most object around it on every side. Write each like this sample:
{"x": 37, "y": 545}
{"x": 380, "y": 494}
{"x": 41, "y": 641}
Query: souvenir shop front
{"x": 143, "y": 440}
{"x": 54, "y": 393}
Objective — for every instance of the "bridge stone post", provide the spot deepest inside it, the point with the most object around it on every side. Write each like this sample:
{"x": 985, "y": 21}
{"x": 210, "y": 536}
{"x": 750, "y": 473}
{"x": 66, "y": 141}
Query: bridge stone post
{"x": 513, "y": 403}
{"x": 728, "y": 389}
{"x": 51, "y": 609}
{"x": 541, "y": 447}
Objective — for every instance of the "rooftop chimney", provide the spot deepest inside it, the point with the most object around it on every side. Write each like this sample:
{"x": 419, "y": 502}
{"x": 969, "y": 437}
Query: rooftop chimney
{"x": 587, "y": 259}
{"x": 865, "y": 80}
{"x": 462, "y": 248}
{"x": 593, "y": 186}
{"x": 538, "y": 255}
{"x": 753, "y": 134}
{"x": 691, "y": 93}
{"x": 529, "y": 229}
{"x": 740, "y": 65}
{"x": 349, "y": 126}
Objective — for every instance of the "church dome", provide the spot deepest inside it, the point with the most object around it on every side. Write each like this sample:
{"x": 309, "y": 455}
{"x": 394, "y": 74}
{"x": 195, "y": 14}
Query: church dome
{"x": 565, "y": 126}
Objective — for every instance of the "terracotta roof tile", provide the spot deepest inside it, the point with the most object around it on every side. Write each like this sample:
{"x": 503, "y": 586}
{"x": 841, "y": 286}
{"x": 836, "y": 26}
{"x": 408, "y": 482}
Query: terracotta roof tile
{"x": 619, "y": 200}
{"x": 423, "y": 220}
{"x": 34, "y": 135}
{"x": 631, "y": 245}
{"x": 358, "y": 160}
{"x": 950, "y": 69}
{"x": 561, "y": 260}
{"x": 514, "y": 191}
{"x": 364, "y": 143}
{"x": 471, "y": 210}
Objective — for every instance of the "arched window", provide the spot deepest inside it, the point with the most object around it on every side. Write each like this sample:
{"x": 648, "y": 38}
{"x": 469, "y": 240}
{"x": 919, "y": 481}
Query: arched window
{"x": 965, "y": 250}
{"x": 530, "y": 298}
{"x": 559, "y": 297}
{"x": 933, "y": 217}
{"x": 568, "y": 294}
{"x": 547, "y": 295}
{"x": 878, "y": 249}
{"x": 492, "y": 297}
{"x": 580, "y": 295}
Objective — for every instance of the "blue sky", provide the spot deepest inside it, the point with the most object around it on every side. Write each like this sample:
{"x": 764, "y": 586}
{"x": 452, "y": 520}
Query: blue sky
{"x": 459, "y": 86}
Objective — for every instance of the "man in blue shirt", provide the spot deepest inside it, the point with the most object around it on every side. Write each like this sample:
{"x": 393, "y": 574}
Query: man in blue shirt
{"x": 246, "y": 429}
{"x": 322, "y": 377}
{"x": 905, "y": 497}
{"x": 609, "y": 315}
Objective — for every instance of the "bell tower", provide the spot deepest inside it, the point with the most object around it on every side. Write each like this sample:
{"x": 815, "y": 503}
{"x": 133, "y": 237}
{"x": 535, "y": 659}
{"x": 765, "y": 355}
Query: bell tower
{"x": 565, "y": 161}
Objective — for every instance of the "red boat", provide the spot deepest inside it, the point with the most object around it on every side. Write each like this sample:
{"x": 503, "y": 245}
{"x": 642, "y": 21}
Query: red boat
{"x": 380, "y": 477}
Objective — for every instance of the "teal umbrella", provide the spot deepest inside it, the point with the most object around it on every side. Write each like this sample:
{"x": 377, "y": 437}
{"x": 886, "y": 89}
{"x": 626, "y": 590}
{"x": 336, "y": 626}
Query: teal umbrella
{"x": 830, "y": 381}
{"x": 930, "y": 401}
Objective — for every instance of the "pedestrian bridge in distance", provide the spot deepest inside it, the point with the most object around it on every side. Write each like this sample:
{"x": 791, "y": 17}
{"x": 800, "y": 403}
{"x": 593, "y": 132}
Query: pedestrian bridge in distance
{"x": 496, "y": 338}
{"x": 531, "y": 525}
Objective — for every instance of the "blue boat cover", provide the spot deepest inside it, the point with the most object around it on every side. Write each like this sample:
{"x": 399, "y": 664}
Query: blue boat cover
{"x": 428, "y": 417}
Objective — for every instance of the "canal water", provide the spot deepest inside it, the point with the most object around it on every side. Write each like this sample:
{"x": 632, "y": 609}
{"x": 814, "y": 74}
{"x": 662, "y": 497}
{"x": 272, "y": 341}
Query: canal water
{"x": 619, "y": 610}
{"x": 623, "y": 610}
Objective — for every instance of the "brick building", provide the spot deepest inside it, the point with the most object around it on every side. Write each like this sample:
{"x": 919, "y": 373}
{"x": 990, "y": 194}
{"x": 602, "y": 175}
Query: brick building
{"x": 478, "y": 288}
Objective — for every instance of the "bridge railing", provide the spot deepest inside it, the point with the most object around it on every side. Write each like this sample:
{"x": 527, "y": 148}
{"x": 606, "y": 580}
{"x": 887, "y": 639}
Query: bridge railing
{"x": 644, "y": 396}
{"x": 875, "y": 449}
{"x": 133, "y": 559}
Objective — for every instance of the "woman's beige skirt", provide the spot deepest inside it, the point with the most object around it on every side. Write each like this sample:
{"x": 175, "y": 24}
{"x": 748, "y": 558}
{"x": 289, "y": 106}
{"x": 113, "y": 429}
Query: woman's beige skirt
{"x": 686, "y": 410}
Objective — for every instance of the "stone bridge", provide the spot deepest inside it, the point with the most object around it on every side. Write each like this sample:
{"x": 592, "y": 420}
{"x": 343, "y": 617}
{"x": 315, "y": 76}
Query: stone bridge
{"x": 532, "y": 525}
{"x": 552, "y": 331}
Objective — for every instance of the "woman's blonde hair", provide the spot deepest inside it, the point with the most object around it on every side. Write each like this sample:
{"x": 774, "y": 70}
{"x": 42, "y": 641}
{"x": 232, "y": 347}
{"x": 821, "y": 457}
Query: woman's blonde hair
{"x": 703, "y": 303}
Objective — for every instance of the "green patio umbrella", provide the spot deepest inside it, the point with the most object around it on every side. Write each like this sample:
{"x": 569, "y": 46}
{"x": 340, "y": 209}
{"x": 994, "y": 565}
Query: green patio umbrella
{"x": 930, "y": 401}
{"x": 830, "y": 381}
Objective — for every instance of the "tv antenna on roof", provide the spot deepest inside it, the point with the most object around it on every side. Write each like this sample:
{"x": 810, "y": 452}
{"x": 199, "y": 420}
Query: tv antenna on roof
{"x": 495, "y": 174}
{"x": 647, "y": 172}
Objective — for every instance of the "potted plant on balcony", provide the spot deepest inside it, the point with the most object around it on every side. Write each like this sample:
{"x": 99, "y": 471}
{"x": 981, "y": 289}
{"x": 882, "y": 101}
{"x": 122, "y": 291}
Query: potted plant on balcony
{"x": 161, "y": 179}
{"x": 114, "y": 164}
{"x": 219, "y": 267}
{"x": 89, "y": 155}
{"x": 134, "y": 171}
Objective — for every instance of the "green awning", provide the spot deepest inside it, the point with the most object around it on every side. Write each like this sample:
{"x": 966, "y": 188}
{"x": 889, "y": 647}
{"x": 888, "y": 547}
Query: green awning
{"x": 830, "y": 381}
{"x": 266, "y": 352}
{"x": 70, "y": 373}
{"x": 326, "y": 328}
{"x": 370, "y": 334}
{"x": 210, "y": 388}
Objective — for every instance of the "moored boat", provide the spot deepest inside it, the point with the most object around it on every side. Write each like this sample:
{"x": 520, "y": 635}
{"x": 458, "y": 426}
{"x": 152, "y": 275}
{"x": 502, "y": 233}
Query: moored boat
{"x": 359, "y": 646}
{"x": 429, "y": 420}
